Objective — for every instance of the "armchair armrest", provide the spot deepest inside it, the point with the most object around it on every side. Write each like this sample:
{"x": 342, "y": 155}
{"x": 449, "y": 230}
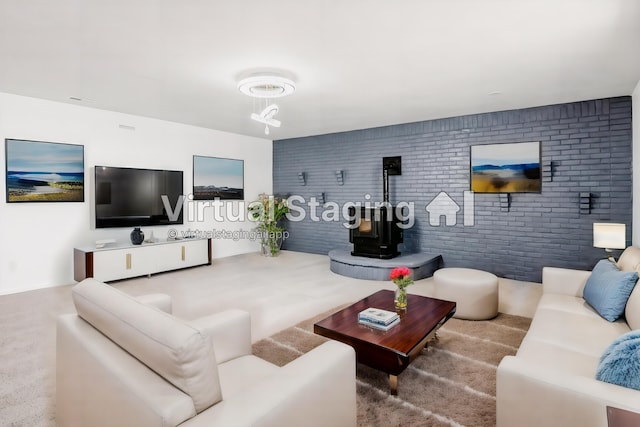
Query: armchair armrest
{"x": 317, "y": 389}
{"x": 529, "y": 395}
{"x": 564, "y": 281}
{"x": 230, "y": 332}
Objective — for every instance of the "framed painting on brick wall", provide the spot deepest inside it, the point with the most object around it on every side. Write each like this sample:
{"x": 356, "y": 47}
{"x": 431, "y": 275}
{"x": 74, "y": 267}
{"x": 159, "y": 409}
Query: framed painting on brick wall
{"x": 506, "y": 168}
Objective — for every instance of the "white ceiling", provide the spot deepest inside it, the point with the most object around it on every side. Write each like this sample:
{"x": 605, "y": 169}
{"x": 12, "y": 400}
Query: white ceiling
{"x": 357, "y": 63}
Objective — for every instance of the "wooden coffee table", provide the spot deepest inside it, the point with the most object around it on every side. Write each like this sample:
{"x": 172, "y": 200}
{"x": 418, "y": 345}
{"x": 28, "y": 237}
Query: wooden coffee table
{"x": 393, "y": 350}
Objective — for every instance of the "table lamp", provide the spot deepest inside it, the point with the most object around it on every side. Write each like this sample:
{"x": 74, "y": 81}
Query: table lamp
{"x": 609, "y": 236}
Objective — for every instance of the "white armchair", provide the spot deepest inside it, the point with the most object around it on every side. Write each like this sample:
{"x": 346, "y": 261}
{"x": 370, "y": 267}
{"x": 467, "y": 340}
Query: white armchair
{"x": 124, "y": 361}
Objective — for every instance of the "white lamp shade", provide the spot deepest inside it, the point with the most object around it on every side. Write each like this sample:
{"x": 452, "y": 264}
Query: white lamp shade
{"x": 609, "y": 236}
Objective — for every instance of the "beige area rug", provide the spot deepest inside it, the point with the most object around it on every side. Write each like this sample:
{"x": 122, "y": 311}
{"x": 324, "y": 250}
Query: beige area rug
{"x": 452, "y": 383}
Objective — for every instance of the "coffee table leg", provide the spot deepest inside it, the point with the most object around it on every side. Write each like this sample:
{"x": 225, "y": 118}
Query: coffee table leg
{"x": 393, "y": 384}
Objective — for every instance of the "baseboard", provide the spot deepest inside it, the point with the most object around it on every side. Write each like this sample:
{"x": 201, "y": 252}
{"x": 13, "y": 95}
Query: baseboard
{"x": 33, "y": 288}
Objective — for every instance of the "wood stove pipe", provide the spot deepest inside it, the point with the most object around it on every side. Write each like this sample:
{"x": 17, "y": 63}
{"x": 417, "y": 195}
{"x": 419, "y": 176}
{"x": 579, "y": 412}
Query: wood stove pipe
{"x": 385, "y": 185}
{"x": 390, "y": 166}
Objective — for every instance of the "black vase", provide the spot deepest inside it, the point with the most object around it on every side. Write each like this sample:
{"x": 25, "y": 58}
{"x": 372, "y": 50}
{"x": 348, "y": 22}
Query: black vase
{"x": 137, "y": 236}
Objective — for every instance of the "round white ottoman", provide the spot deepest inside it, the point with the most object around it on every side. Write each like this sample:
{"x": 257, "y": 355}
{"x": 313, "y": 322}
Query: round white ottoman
{"x": 475, "y": 292}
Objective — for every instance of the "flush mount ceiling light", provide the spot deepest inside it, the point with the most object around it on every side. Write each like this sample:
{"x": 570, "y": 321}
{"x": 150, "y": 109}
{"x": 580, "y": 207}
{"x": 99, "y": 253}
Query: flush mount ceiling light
{"x": 266, "y": 87}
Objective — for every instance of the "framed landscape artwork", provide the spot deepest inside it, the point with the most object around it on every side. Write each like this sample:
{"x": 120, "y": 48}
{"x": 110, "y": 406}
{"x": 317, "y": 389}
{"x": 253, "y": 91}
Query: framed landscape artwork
{"x": 44, "y": 171}
{"x": 217, "y": 178}
{"x": 506, "y": 168}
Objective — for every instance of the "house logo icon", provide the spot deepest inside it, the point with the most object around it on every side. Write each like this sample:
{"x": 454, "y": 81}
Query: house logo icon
{"x": 444, "y": 206}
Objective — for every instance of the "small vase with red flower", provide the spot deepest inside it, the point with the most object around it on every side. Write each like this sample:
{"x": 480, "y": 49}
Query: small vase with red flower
{"x": 401, "y": 276}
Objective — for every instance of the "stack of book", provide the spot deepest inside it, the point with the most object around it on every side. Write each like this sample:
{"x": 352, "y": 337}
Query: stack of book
{"x": 378, "y": 318}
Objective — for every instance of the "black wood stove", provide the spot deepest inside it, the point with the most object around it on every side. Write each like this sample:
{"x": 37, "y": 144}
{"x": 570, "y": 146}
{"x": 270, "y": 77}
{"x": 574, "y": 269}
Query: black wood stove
{"x": 375, "y": 231}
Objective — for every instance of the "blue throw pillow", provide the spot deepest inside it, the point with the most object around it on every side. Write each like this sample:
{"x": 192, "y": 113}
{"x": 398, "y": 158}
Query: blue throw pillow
{"x": 631, "y": 335}
{"x": 620, "y": 363}
{"x": 607, "y": 289}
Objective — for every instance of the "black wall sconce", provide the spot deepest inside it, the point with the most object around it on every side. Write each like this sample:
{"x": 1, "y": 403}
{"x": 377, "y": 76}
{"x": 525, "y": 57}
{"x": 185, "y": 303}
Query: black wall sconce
{"x": 505, "y": 202}
{"x": 320, "y": 198}
{"x": 585, "y": 203}
{"x": 547, "y": 171}
{"x": 302, "y": 178}
{"x": 340, "y": 177}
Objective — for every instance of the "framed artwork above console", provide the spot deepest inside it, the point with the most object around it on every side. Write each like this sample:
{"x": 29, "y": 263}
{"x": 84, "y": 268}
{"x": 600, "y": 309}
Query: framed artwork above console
{"x": 39, "y": 171}
{"x": 218, "y": 178}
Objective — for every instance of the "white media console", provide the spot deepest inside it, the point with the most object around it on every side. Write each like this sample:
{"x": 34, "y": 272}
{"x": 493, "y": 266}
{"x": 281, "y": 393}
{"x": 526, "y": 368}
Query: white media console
{"x": 124, "y": 261}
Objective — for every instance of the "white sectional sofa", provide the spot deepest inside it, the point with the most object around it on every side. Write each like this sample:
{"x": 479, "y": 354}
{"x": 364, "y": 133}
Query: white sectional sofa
{"x": 122, "y": 361}
{"x": 551, "y": 381}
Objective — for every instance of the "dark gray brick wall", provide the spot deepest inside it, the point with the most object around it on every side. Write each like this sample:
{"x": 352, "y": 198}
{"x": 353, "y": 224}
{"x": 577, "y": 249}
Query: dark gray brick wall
{"x": 588, "y": 144}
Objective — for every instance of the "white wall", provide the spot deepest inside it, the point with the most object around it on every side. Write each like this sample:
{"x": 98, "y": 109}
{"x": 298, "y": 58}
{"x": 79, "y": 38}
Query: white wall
{"x": 37, "y": 239}
{"x": 635, "y": 111}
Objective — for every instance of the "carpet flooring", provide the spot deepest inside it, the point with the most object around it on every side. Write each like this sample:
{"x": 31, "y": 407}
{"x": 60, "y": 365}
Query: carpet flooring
{"x": 452, "y": 383}
{"x": 277, "y": 292}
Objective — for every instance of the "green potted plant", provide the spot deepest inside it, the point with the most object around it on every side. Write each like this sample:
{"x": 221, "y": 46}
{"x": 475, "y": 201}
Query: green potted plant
{"x": 268, "y": 213}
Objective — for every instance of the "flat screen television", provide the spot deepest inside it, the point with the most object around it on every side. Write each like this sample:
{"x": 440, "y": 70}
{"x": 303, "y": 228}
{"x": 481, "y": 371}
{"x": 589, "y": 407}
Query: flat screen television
{"x": 127, "y": 197}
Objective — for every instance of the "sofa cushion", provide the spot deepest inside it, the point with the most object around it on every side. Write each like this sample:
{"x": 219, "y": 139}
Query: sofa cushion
{"x": 176, "y": 351}
{"x": 620, "y": 362}
{"x": 607, "y": 289}
{"x": 630, "y": 259}
{"x": 632, "y": 309}
{"x": 238, "y": 374}
{"x": 553, "y": 356}
{"x": 568, "y": 322}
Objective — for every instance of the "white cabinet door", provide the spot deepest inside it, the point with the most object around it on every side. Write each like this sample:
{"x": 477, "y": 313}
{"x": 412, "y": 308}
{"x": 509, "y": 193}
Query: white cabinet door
{"x": 169, "y": 257}
{"x": 197, "y": 252}
{"x": 181, "y": 254}
{"x": 122, "y": 263}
